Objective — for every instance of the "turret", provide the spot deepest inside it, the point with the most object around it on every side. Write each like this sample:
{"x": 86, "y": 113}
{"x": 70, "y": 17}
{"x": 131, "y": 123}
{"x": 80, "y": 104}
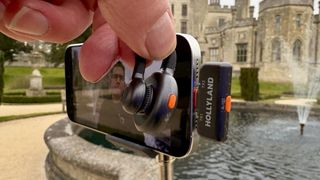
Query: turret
{"x": 242, "y": 7}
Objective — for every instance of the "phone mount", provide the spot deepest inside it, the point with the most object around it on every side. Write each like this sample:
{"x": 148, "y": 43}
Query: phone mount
{"x": 153, "y": 100}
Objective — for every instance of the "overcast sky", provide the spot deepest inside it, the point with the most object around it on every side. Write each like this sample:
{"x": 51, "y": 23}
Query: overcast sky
{"x": 256, "y": 4}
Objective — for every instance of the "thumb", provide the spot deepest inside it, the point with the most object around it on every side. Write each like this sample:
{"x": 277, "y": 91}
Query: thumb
{"x": 146, "y": 26}
{"x": 59, "y": 21}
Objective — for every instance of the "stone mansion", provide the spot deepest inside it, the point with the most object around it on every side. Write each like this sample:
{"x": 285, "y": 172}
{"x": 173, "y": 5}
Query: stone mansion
{"x": 285, "y": 31}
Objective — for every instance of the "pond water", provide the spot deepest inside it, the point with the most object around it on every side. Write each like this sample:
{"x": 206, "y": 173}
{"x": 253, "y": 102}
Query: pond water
{"x": 259, "y": 146}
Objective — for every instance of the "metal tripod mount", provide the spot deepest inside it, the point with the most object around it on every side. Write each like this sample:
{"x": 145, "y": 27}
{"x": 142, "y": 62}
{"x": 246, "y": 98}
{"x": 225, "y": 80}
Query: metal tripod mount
{"x": 166, "y": 166}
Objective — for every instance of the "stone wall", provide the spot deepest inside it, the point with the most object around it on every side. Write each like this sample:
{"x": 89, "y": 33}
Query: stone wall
{"x": 71, "y": 157}
{"x": 265, "y": 4}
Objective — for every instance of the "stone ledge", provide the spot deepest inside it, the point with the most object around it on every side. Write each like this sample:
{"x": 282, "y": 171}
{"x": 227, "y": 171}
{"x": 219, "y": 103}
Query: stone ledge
{"x": 259, "y": 106}
{"x": 71, "y": 157}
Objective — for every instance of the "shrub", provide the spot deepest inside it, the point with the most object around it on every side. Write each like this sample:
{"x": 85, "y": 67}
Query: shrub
{"x": 1, "y": 75}
{"x": 249, "y": 84}
{"x": 15, "y": 93}
{"x": 26, "y": 100}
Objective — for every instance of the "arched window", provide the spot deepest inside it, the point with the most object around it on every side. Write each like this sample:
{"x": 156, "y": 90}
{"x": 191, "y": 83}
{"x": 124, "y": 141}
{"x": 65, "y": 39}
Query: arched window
{"x": 296, "y": 52}
{"x": 276, "y": 50}
{"x": 277, "y": 23}
{"x": 261, "y": 52}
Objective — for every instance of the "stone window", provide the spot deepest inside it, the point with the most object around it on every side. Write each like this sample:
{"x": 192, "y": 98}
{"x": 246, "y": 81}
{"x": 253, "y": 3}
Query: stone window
{"x": 261, "y": 52}
{"x": 184, "y": 28}
{"x": 214, "y": 2}
{"x": 296, "y": 52}
{"x": 172, "y": 9}
{"x": 221, "y": 22}
{"x": 298, "y": 20}
{"x": 242, "y": 52}
{"x": 214, "y": 54}
{"x": 277, "y": 23}
{"x": 276, "y": 50}
{"x": 184, "y": 11}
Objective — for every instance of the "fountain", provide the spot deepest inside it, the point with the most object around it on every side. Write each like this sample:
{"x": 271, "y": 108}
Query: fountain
{"x": 37, "y": 60}
{"x": 305, "y": 77}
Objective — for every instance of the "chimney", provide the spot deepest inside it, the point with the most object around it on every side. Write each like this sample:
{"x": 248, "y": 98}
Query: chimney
{"x": 234, "y": 13}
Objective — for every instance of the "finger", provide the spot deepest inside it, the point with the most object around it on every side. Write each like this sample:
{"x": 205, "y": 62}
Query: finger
{"x": 101, "y": 50}
{"x": 98, "y": 53}
{"x": 146, "y": 26}
{"x": 2, "y": 9}
{"x": 125, "y": 53}
{"x": 4, "y": 30}
{"x": 42, "y": 20}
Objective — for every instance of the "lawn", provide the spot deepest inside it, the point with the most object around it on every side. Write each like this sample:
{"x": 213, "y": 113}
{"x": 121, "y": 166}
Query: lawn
{"x": 16, "y": 78}
{"x": 267, "y": 89}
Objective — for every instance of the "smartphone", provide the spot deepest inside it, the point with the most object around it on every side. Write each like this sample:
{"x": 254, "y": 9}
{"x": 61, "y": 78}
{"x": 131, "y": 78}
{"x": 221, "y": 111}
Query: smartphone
{"x": 97, "y": 105}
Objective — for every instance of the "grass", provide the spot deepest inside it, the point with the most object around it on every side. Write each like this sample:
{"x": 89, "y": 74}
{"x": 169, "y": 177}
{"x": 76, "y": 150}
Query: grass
{"x": 17, "y": 80}
{"x": 18, "y": 77}
{"x": 267, "y": 89}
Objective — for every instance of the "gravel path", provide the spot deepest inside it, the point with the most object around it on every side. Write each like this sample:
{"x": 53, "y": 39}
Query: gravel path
{"x": 22, "y": 148}
{"x": 10, "y": 109}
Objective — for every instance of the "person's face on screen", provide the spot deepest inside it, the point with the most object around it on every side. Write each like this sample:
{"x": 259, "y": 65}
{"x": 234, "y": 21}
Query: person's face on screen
{"x": 117, "y": 82}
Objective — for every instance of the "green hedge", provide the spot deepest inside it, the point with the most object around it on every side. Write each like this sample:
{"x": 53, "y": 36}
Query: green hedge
{"x": 249, "y": 83}
{"x": 26, "y": 100}
{"x": 1, "y": 75}
{"x": 23, "y": 92}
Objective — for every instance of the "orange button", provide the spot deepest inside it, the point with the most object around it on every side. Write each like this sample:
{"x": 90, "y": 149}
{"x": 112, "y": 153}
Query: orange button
{"x": 228, "y": 104}
{"x": 172, "y": 101}
{"x": 195, "y": 94}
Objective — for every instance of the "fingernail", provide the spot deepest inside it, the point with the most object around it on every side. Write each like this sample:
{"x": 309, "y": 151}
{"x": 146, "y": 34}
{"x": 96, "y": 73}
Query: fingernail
{"x": 2, "y": 8}
{"x": 161, "y": 39}
{"x": 29, "y": 21}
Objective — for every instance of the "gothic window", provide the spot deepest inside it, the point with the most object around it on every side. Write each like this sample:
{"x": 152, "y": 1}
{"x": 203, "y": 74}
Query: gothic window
{"x": 172, "y": 9}
{"x": 261, "y": 52}
{"x": 296, "y": 52}
{"x": 276, "y": 50}
{"x": 221, "y": 22}
{"x": 242, "y": 52}
{"x": 184, "y": 10}
{"x": 277, "y": 23}
{"x": 214, "y": 54}
{"x": 214, "y": 2}
{"x": 184, "y": 27}
{"x": 298, "y": 20}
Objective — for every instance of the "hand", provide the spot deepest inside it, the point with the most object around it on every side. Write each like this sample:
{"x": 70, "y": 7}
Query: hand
{"x": 119, "y": 28}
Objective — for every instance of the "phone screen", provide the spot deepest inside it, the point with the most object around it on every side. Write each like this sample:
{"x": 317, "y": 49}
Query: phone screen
{"x": 97, "y": 105}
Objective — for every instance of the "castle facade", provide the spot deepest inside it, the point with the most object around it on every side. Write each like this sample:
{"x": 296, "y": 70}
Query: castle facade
{"x": 285, "y": 31}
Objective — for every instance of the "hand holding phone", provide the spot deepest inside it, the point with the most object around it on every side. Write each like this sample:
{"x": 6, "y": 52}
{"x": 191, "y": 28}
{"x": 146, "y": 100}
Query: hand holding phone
{"x": 97, "y": 106}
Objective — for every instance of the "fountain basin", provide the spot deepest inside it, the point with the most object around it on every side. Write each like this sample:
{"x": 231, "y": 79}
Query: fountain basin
{"x": 264, "y": 142}
{"x": 72, "y": 157}
{"x": 260, "y": 145}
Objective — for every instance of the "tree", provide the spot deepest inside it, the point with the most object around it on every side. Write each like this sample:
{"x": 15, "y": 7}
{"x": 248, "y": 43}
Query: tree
{"x": 9, "y": 47}
{"x": 1, "y": 74}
